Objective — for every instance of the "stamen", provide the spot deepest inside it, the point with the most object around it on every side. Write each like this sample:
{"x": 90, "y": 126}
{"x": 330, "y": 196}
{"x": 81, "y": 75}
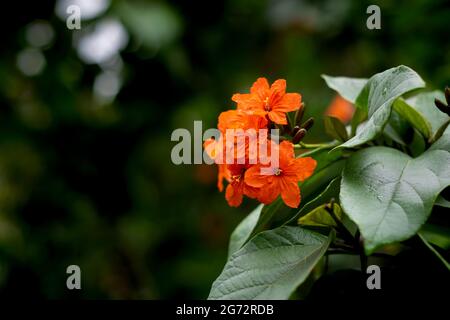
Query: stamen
{"x": 266, "y": 104}
{"x": 236, "y": 178}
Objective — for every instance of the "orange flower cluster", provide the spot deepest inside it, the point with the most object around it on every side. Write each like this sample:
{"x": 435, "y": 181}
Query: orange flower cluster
{"x": 261, "y": 108}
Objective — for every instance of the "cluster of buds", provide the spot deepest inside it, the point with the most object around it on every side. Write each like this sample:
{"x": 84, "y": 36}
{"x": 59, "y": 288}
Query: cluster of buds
{"x": 297, "y": 132}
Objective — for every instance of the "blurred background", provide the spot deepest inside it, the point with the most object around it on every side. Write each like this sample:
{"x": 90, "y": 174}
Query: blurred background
{"x": 86, "y": 117}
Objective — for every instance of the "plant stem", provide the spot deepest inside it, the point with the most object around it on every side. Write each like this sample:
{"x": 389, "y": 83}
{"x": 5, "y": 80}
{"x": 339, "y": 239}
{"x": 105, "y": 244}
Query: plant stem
{"x": 436, "y": 253}
{"x": 340, "y": 225}
{"x": 302, "y": 145}
{"x": 362, "y": 254}
{"x": 356, "y": 240}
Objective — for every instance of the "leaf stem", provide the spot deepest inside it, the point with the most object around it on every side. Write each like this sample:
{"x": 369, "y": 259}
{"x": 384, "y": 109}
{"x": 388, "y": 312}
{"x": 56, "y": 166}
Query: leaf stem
{"x": 438, "y": 255}
{"x": 355, "y": 240}
{"x": 302, "y": 145}
{"x": 362, "y": 254}
{"x": 340, "y": 225}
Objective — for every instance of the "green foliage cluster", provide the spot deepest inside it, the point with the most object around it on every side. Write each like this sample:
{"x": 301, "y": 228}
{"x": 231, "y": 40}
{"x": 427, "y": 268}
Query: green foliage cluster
{"x": 381, "y": 193}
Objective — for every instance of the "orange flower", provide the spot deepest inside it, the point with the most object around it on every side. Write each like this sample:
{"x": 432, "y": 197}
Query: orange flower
{"x": 236, "y": 144}
{"x": 214, "y": 149}
{"x": 239, "y": 119}
{"x": 341, "y": 109}
{"x": 223, "y": 173}
{"x": 217, "y": 150}
{"x": 271, "y": 101}
{"x": 237, "y": 187}
{"x": 284, "y": 179}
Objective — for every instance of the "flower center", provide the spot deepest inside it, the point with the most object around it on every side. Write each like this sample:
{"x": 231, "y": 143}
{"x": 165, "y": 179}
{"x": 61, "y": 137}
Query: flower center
{"x": 277, "y": 171}
{"x": 266, "y": 104}
{"x": 236, "y": 178}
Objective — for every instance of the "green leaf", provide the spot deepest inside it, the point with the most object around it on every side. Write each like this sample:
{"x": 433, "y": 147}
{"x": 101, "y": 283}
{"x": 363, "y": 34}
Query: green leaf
{"x": 314, "y": 185}
{"x": 397, "y": 129}
{"x": 271, "y": 265}
{"x": 323, "y": 157}
{"x": 415, "y": 118}
{"x": 392, "y": 134}
{"x": 417, "y": 145}
{"x": 321, "y": 217}
{"x": 331, "y": 191}
{"x": 442, "y": 202}
{"x": 437, "y": 235}
{"x": 439, "y": 132}
{"x": 358, "y": 117}
{"x": 377, "y": 98}
{"x": 252, "y": 224}
{"x": 389, "y": 195}
{"x": 436, "y": 253}
{"x": 423, "y": 103}
{"x": 243, "y": 231}
{"x": 348, "y": 88}
{"x": 443, "y": 143}
{"x": 335, "y": 128}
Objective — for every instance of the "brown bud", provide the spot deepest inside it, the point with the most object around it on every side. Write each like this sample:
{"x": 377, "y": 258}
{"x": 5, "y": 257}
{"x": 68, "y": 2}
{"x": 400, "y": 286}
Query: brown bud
{"x": 294, "y": 131}
{"x": 441, "y": 106}
{"x": 299, "y": 136}
{"x": 308, "y": 124}
{"x": 299, "y": 114}
{"x": 288, "y": 125}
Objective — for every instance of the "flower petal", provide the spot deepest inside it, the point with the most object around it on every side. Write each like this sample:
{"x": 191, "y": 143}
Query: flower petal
{"x": 278, "y": 87}
{"x": 287, "y": 149}
{"x": 260, "y": 88}
{"x": 289, "y": 102}
{"x": 269, "y": 192}
{"x": 233, "y": 194}
{"x": 254, "y": 178}
{"x": 278, "y": 117}
{"x": 290, "y": 192}
{"x": 303, "y": 167}
{"x": 251, "y": 192}
{"x": 241, "y": 97}
{"x": 341, "y": 109}
{"x": 222, "y": 173}
{"x": 250, "y": 103}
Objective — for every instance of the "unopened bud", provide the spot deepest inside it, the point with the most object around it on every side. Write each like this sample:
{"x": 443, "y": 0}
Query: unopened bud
{"x": 299, "y": 136}
{"x": 308, "y": 124}
{"x": 441, "y": 106}
{"x": 294, "y": 131}
{"x": 299, "y": 114}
